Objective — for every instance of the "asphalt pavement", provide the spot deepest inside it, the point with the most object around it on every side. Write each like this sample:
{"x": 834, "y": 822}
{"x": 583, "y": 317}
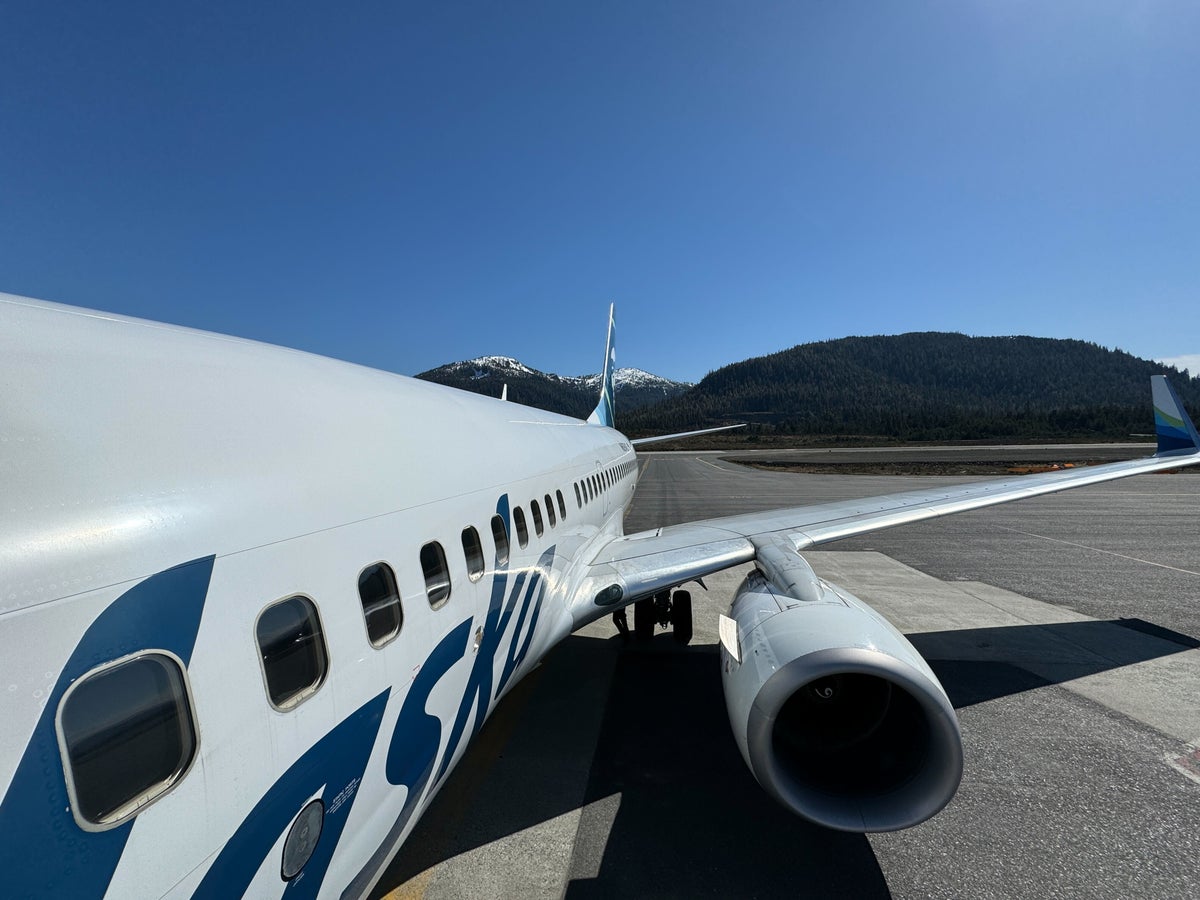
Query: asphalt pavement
{"x": 1066, "y": 630}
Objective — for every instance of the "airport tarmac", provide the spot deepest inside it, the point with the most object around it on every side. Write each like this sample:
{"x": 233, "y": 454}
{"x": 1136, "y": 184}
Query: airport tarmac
{"x": 1066, "y": 630}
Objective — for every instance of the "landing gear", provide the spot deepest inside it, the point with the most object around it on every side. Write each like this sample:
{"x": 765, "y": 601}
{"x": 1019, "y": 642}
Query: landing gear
{"x": 681, "y": 617}
{"x": 664, "y": 609}
{"x": 644, "y": 619}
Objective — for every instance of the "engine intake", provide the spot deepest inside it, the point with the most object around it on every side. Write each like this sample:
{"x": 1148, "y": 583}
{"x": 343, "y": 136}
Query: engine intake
{"x": 837, "y": 715}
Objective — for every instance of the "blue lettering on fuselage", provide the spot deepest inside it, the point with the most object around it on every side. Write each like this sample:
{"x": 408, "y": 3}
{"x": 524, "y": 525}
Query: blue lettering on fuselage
{"x": 417, "y": 737}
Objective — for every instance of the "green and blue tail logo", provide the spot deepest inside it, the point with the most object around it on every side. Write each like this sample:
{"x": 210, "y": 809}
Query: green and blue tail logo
{"x": 1174, "y": 429}
{"x": 603, "y": 414}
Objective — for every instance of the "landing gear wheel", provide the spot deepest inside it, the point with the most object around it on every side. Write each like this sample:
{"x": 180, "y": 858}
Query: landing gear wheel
{"x": 681, "y": 616}
{"x": 644, "y": 619}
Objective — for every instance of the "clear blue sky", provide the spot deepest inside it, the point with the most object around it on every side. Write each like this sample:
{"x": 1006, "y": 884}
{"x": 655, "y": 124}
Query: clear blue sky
{"x": 406, "y": 184}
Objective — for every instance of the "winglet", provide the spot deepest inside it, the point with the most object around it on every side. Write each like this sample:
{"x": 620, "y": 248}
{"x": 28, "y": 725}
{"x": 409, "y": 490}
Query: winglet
{"x": 1176, "y": 433}
{"x": 603, "y": 414}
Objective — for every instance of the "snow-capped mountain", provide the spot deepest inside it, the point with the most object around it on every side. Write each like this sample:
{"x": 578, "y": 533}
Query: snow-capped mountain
{"x": 573, "y": 395}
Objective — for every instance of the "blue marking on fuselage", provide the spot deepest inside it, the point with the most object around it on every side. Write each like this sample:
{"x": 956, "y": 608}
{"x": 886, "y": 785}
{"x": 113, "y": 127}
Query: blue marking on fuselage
{"x": 44, "y": 852}
{"x": 517, "y": 653}
{"x": 337, "y": 761}
{"x": 417, "y": 736}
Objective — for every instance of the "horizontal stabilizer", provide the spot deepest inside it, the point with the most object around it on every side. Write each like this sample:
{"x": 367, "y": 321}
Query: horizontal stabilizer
{"x": 1176, "y": 433}
{"x": 659, "y": 438}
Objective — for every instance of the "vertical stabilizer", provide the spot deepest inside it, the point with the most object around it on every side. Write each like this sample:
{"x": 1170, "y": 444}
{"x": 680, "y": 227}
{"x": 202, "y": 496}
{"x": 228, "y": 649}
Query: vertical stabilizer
{"x": 603, "y": 414}
{"x": 1176, "y": 433}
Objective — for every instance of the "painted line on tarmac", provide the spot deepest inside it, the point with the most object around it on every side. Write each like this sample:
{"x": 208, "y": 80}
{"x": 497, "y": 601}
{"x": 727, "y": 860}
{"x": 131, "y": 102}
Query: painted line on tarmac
{"x": 1188, "y": 764}
{"x": 1099, "y": 550}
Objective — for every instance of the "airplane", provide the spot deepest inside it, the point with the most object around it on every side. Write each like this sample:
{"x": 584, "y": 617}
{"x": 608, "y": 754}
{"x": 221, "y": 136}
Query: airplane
{"x": 255, "y": 603}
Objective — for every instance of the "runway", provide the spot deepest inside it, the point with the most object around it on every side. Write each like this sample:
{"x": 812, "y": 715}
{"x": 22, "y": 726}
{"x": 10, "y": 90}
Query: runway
{"x": 1065, "y": 629}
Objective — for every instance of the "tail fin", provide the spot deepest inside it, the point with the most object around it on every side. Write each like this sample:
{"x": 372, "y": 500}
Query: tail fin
{"x": 603, "y": 414}
{"x": 1176, "y": 433}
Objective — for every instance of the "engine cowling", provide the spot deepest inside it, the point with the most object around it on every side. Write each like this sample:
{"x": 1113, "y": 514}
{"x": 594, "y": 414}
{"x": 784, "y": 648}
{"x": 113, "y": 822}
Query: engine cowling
{"x": 837, "y": 715}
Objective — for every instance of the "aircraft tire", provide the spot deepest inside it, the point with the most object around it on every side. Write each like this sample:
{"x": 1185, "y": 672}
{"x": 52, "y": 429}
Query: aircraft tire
{"x": 681, "y": 617}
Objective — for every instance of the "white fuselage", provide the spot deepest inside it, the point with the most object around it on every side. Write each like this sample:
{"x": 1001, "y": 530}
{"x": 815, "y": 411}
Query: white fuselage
{"x": 132, "y": 448}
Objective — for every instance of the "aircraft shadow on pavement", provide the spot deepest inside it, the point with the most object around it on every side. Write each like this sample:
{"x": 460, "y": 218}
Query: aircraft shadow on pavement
{"x": 690, "y": 819}
{"x": 980, "y": 664}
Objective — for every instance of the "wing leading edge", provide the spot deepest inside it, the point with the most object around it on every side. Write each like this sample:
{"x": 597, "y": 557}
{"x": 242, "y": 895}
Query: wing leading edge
{"x": 637, "y": 565}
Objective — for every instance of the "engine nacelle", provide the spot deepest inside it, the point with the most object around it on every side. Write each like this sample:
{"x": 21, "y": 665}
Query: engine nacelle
{"x": 836, "y": 713}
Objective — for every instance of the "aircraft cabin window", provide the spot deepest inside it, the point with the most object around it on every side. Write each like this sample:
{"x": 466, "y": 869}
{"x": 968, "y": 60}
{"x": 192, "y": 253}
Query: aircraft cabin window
{"x": 473, "y": 550}
{"x": 578, "y": 496}
{"x": 519, "y": 523}
{"x": 562, "y": 505}
{"x": 292, "y": 648}
{"x": 437, "y": 574}
{"x": 381, "y": 603}
{"x": 550, "y": 511}
{"x": 537, "y": 517}
{"x": 500, "y": 539}
{"x": 127, "y": 735}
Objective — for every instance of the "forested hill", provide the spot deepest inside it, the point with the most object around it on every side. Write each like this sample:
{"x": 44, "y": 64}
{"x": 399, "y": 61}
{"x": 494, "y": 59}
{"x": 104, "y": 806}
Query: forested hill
{"x": 927, "y": 386}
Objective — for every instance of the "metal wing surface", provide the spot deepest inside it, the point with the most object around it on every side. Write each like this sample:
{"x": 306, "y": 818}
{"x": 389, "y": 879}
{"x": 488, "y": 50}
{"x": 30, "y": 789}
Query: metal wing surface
{"x": 649, "y": 561}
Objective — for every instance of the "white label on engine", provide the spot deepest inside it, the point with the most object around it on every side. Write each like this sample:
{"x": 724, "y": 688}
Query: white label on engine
{"x": 728, "y": 630}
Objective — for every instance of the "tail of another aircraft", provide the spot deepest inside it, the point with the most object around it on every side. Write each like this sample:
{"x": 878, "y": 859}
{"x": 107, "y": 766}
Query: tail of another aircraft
{"x": 1175, "y": 431}
{"x": 604, "y": 414}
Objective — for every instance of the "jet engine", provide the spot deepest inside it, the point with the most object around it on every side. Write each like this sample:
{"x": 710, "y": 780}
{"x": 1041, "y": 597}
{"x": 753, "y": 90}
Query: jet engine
{"x": 837, "y": 715}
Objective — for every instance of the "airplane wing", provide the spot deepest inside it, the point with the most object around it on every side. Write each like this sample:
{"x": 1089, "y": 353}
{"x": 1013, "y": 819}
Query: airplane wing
{"x": 638, "y": 565}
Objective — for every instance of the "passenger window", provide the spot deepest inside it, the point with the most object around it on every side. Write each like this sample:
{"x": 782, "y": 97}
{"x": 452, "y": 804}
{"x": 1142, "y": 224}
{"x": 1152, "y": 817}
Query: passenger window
{"x": 550, "y": 511}
{"x": 292, "y": 647}
{"x": 578, "y": 496}
{"x": 127, "y": 735}
{"x": 562, "y": 506}
{"x": 500, "y": 539}
{"x": 519, "y": 522}
{"x": 381, "y": 603}
{"x": 537, "y": 517}
{"x": 473, "y": 550}
{"x": 437, "y": 574}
